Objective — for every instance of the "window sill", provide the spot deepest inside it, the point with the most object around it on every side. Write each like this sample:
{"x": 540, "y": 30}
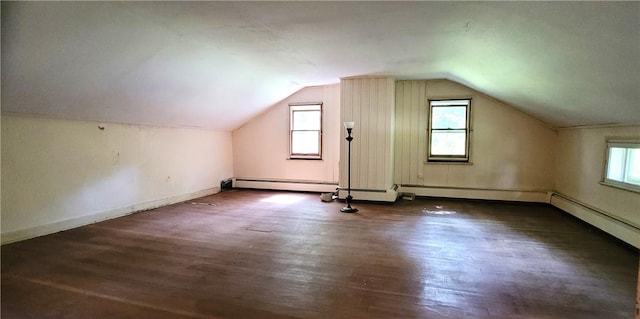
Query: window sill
{"x": 448, "y": 163}
{"x": 621, "y": 186}
{"x": 304, "y": 159}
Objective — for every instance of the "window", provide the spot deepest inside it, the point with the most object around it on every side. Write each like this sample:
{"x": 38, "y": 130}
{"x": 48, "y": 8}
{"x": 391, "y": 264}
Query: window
{"x": 622, "y": 167}
{"x": 449, "y": 130}
{"x": 305, "y": 131}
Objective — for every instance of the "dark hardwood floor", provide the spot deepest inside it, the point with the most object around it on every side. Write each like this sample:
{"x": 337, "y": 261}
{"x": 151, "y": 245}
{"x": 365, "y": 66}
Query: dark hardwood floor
{"x": 261, "y": 254}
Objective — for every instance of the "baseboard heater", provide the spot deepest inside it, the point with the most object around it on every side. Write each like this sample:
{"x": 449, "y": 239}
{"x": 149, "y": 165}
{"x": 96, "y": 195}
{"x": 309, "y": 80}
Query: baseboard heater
{"x": 285, "y": 184}
{"x": 519, "y": 195}
{"x": 597, "y": 211}
{"x": 380, "y": 195}
{"x": 618, "y": 227}
{"x": 288, "y": 181}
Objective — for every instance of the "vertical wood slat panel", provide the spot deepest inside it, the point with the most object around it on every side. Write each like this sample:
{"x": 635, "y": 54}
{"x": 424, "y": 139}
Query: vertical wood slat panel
{"x": 411, "y": 133}
{"x": 422, "y": 131}
{"x": 397, "y": 169}
{"x": 370, "y": 88}
{"x": 400, "y": 109}
{"x": 404, "y": 143}
{"x": 399, "y": 131}
{"x": 407, "y": 140}
{"x": 390, "y": 128}
{"x": 406, "y": 123}
{"x": 413, "y": 165}
{"x": 370, "y": 103}
{"x": 366, "y": 135}
{"x": 410, "y": 136}
{"x": 383, "y": 125}
{"x": 375, "y": 178}
{"x": 418, "y": 131}
{"x": 378, "y": 137}
{"x": 387, "y": 111}
{"x": 346, "y": 114}
{"x": 356, "y": 163}
{"x": 351, "y": 98}
{"x": 383, "y": 132}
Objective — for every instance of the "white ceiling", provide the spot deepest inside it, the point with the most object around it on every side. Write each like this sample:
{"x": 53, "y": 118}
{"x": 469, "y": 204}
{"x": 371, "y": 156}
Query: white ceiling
{"x": 217, "y": 64}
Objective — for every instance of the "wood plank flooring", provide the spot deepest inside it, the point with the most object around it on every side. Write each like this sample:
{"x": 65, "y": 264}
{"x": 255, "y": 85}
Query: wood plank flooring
{"x": 262, "y": 254}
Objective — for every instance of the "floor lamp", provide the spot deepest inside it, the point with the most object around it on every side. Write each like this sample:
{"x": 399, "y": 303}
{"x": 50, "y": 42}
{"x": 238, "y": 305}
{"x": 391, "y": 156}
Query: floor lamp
{"x": 349, "y": 126}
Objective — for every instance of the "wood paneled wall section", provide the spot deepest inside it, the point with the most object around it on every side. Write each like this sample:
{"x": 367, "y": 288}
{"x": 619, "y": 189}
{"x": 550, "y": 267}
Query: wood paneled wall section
{"x": 370, "y": 103}
{"x": 411, "y": 119}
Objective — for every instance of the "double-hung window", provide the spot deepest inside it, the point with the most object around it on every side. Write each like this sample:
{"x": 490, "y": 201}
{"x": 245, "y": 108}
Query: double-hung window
{"x": 305, "y": 131}
{"x": 449, "y": 122}
{"x": 622, "y": 167}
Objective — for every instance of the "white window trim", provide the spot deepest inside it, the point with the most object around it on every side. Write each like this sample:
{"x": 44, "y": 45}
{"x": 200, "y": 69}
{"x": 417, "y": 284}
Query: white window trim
{"x": 300, "y": 107}
{"x": 435, "y": 159}
{"x": 624, "y": 143}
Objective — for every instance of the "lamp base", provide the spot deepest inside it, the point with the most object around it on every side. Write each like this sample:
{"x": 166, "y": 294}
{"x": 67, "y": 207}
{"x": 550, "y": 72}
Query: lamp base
{"x": 348, "y": 209}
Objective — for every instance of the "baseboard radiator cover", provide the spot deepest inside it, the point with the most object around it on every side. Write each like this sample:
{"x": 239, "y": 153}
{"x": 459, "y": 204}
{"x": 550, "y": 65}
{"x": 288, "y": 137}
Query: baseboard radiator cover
{"x": 376, "y": 195}
{"x": 517, "y": 195}
{"x": 620, "y": 228}
{"x": 50, "y": 228}
{"x": 286, "y": 184}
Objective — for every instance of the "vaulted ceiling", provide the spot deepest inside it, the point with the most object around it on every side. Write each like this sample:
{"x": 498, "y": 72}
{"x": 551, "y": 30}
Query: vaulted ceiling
{"x": 217, "y": 64}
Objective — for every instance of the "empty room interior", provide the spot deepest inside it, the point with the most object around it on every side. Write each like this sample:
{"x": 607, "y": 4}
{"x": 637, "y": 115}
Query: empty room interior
{"x": 320, "y": 159}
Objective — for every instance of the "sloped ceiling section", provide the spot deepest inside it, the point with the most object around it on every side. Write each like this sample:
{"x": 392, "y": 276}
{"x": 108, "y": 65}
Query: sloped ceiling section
{"x": 217, "y": 64}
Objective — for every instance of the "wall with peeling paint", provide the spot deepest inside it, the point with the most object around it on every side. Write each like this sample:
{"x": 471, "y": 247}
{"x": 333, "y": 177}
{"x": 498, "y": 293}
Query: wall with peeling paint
{"x": 59, "y": 174}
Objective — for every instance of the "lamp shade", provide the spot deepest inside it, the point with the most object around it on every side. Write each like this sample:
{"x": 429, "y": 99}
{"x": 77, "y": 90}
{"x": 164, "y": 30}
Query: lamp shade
{"x": 349, "y": 125}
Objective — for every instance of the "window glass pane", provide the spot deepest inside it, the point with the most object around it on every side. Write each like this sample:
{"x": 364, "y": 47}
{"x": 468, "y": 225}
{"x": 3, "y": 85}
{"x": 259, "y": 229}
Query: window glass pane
{"x": 306, "y": 120}
{"x": 305, "y": 142}
{"x": 448, "y": 142}
{"x": 615, "y": 163}
{"x": 632, "y": 171}
{"x": 447, "y": 117}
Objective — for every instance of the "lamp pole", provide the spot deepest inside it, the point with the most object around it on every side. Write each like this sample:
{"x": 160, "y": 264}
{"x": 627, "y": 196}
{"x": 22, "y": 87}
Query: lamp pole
{"x": 349, "y": 126}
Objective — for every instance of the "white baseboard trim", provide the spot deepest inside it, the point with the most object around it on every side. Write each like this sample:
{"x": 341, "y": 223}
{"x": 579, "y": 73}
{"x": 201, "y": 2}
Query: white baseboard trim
{"x": 376, "y": 195}
{"x": 286, "y": 185}
{"x": 46, "y": 229}
{"x": 535, "y": 196}
{"x": 620, "y": 229}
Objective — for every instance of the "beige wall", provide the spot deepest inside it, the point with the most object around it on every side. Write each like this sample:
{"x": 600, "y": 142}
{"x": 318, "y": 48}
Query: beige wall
{"x": 512, "y": 154}
{"x": 58, "y": 174}
{"x": 261, "y": 147}
{"x": 579, "y": 171}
